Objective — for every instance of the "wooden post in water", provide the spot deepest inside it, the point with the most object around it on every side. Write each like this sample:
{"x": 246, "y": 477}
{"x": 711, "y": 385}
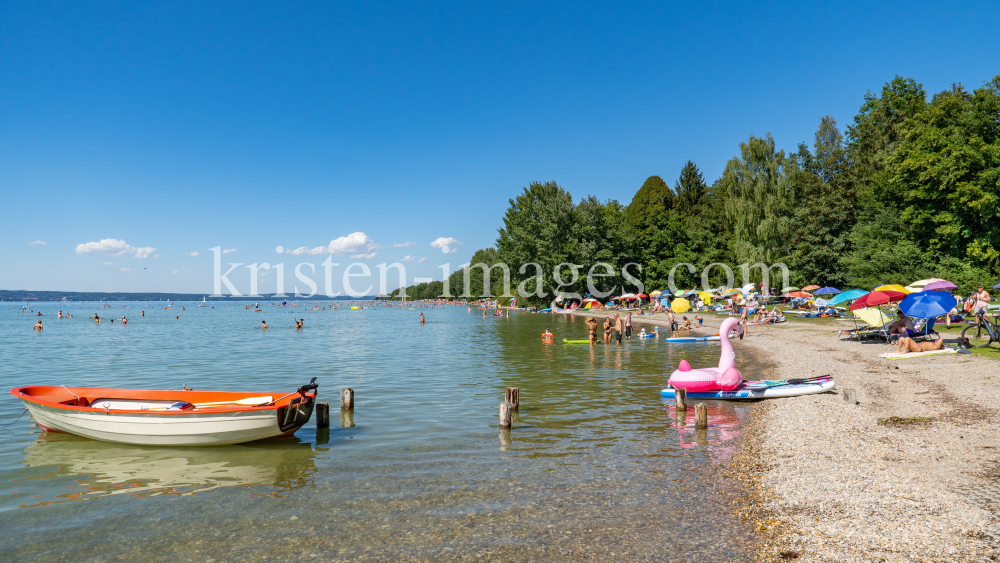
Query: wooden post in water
{"x": 322, "y": 415}
{"x": 680, "y": 399}
{"x": 513, "y": 396}
{"x": 346, "y": 398}
{"x": 700, "y": 416}
{"x": 505, "y": 415}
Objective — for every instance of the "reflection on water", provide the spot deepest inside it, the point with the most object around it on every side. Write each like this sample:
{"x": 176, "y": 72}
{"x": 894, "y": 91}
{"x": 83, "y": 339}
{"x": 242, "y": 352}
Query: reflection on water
{"x": 99, "y": 469}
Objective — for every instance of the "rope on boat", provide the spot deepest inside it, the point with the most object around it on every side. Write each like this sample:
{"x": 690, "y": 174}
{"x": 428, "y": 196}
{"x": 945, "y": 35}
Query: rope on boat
{"x": 16, "y": 419}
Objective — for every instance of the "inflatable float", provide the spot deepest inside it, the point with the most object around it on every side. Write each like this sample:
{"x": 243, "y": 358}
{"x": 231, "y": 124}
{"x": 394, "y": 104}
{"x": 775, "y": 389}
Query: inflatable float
{"x": 575, "y": 341}
{"x": 723, "y": 378}
{"x": 762, "y": 390}
{"x": 692, "y": 339}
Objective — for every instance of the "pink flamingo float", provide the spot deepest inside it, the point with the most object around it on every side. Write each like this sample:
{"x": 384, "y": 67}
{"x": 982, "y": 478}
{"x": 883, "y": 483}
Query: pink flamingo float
{"x": 725, "y": 377}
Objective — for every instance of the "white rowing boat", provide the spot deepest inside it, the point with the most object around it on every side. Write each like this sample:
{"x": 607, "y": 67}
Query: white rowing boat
{"x": 167, "y": 418}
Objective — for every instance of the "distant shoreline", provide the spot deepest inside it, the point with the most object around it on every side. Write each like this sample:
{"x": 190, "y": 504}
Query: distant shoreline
{"x": 24, "y": 295}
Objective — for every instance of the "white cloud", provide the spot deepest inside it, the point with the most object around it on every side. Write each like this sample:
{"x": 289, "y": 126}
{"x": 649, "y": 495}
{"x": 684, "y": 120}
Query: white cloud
{"x": 192, "y": 253}
{"x": 368, "y": 256}
{"x": 356, "y": 243}
{"x": 404, "y": 245}
{"x": 407, "y": 258}
{"x": 422, "y": 259}
{"x": 175, "y": 271}
{"x": 442, "y": 242}
{"x": 106, "y": 264}
{"x": 41, "y": 242}
{"x": 114, "y": 247}
{"x": 452, "y": 251}
{"x": 306, "y": 250}
{"x": 229, "y": 251}
{"x": 126, "y": 269}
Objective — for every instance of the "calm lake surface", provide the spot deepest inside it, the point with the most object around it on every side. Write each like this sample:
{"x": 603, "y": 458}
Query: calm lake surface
{"x": 597, "y": 467}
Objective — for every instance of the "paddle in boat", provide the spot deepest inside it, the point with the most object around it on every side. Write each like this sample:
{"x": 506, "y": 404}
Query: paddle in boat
{"x": 168, "y": 418}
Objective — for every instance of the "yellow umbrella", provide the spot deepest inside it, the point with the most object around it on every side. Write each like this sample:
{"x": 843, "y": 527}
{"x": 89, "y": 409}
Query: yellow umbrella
{"x": 705, "y": 296}
{"x": 893, "y": 287}
{"x": 680, "y": 305}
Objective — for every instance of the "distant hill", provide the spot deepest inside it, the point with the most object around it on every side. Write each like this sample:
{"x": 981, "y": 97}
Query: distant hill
{"x": 24, "y": 295}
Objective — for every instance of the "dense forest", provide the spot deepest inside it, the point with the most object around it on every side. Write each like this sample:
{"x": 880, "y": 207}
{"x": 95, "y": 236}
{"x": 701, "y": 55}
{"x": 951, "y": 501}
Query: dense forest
{"x": 910, "y": 190}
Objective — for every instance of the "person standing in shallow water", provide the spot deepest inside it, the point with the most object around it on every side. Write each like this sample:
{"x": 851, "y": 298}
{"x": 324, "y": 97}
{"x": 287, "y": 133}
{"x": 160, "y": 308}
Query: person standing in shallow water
{"x": 263, "y": 324}
{"x": 592, "y": 325}
{"x": 298, "y": 324}
{"x": 422, "y": 319}
{"x": 38, "y": 326}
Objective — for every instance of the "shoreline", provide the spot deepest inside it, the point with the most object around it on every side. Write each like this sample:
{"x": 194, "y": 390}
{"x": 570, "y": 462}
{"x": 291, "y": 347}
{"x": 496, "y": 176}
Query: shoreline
{"x": 826, "y": 480}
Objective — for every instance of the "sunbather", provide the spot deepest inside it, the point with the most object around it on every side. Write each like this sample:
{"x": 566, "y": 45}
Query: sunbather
{"x": 907, "y": 344}
{"x": 903, "y": 324}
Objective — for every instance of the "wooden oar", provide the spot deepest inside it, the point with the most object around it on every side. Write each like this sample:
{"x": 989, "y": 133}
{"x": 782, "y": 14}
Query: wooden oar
{"x": 250, "y": 401}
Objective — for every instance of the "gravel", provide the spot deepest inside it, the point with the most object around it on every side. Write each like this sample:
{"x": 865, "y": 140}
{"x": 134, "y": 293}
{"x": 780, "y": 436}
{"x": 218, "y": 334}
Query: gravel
{"x": 826, "y": 481}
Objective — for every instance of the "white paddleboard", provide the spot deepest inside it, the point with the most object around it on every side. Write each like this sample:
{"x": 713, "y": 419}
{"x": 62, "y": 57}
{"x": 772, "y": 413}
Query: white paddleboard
{"x": 759, "y": 390}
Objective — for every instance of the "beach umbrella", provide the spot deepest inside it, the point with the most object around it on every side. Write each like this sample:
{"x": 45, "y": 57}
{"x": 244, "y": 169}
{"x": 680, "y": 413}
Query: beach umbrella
{"x": 656, "y": 293}
{"x": 848, "y": 295}
{"x": 877, "y": 298}
{"x": 706, "y": 296}
{"x": 800, "y": 294}
{"x": 628, "y": 296}
{"x": 940, "y": 285}
{"x": 892, "y": 287}
{"x": 680, "y": 292}
{"x": 790, "y": 288}
{"x": 919, "y": 284}
{"x": 810, "y": 287}
{"x": 747, "y": 287}
{"x": 734, "y": 291}
{"x": 927, "y": 304}
{"x": 997, "y": 286}
{"x": 680, "y": 305}
{"x": 826, "y": 291}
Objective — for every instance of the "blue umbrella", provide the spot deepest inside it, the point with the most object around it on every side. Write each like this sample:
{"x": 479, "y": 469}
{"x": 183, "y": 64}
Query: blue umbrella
{"x": 927, "y": 304}
{"x": 849, "y": 295}
{"x": 826, "y": 291}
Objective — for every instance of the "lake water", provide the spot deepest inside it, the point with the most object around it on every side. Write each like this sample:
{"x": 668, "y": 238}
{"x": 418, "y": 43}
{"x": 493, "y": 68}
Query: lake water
{"x": 596, "y": 467}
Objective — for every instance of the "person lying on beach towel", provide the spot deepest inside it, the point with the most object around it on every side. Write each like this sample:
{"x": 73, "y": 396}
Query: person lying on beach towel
{"x": 907, "y": 344}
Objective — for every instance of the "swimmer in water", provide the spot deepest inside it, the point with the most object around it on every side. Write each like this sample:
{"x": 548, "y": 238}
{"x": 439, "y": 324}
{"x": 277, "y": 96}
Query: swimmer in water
{"x": 124, "y": 320}
{"x": 59, "y": 316}
{"x": 143, "y": 314}
{"x": 298, "y": 324}
{"x": 422, "y": 319}
{"x": 38, "y": 326}
{"x": 263, "y": 324}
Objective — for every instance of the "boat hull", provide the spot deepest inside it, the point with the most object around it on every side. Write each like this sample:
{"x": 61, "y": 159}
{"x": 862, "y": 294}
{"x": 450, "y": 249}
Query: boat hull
{"x": 196, "y": 429}
{"x": 208, "y": 426}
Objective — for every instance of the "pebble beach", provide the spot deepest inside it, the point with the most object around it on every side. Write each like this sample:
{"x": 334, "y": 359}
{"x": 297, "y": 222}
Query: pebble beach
{"x": 908, "y": 471}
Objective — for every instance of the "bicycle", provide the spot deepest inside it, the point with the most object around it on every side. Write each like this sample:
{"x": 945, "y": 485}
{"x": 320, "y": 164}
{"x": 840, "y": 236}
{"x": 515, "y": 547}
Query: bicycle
{"x": 983, "y": 333}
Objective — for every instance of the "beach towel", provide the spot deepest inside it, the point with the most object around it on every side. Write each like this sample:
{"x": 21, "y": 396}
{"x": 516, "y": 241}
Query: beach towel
{"x": 897, "y": 356}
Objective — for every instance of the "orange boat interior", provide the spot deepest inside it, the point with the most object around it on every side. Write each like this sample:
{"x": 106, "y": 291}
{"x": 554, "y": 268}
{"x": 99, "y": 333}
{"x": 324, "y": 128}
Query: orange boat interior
{"x": 81, "y": 397}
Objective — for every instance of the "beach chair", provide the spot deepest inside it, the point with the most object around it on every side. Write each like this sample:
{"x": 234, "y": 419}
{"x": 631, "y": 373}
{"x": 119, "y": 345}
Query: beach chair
{"x": 870, "y": 323}
{"x": 925, "y": 331}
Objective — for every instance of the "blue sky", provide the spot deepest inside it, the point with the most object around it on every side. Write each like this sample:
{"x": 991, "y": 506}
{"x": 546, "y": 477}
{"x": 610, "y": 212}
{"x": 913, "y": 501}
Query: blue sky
{"x": 181, "y": 127}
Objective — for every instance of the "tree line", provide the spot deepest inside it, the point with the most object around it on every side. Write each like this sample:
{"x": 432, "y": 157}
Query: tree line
{"x": 910, "y": 190}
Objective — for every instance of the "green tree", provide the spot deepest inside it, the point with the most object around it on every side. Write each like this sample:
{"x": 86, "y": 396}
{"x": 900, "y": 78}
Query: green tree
{"x": 825, "y": 209}
{"x": 759, "y": 201}
{"x": 539, "y": 228}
